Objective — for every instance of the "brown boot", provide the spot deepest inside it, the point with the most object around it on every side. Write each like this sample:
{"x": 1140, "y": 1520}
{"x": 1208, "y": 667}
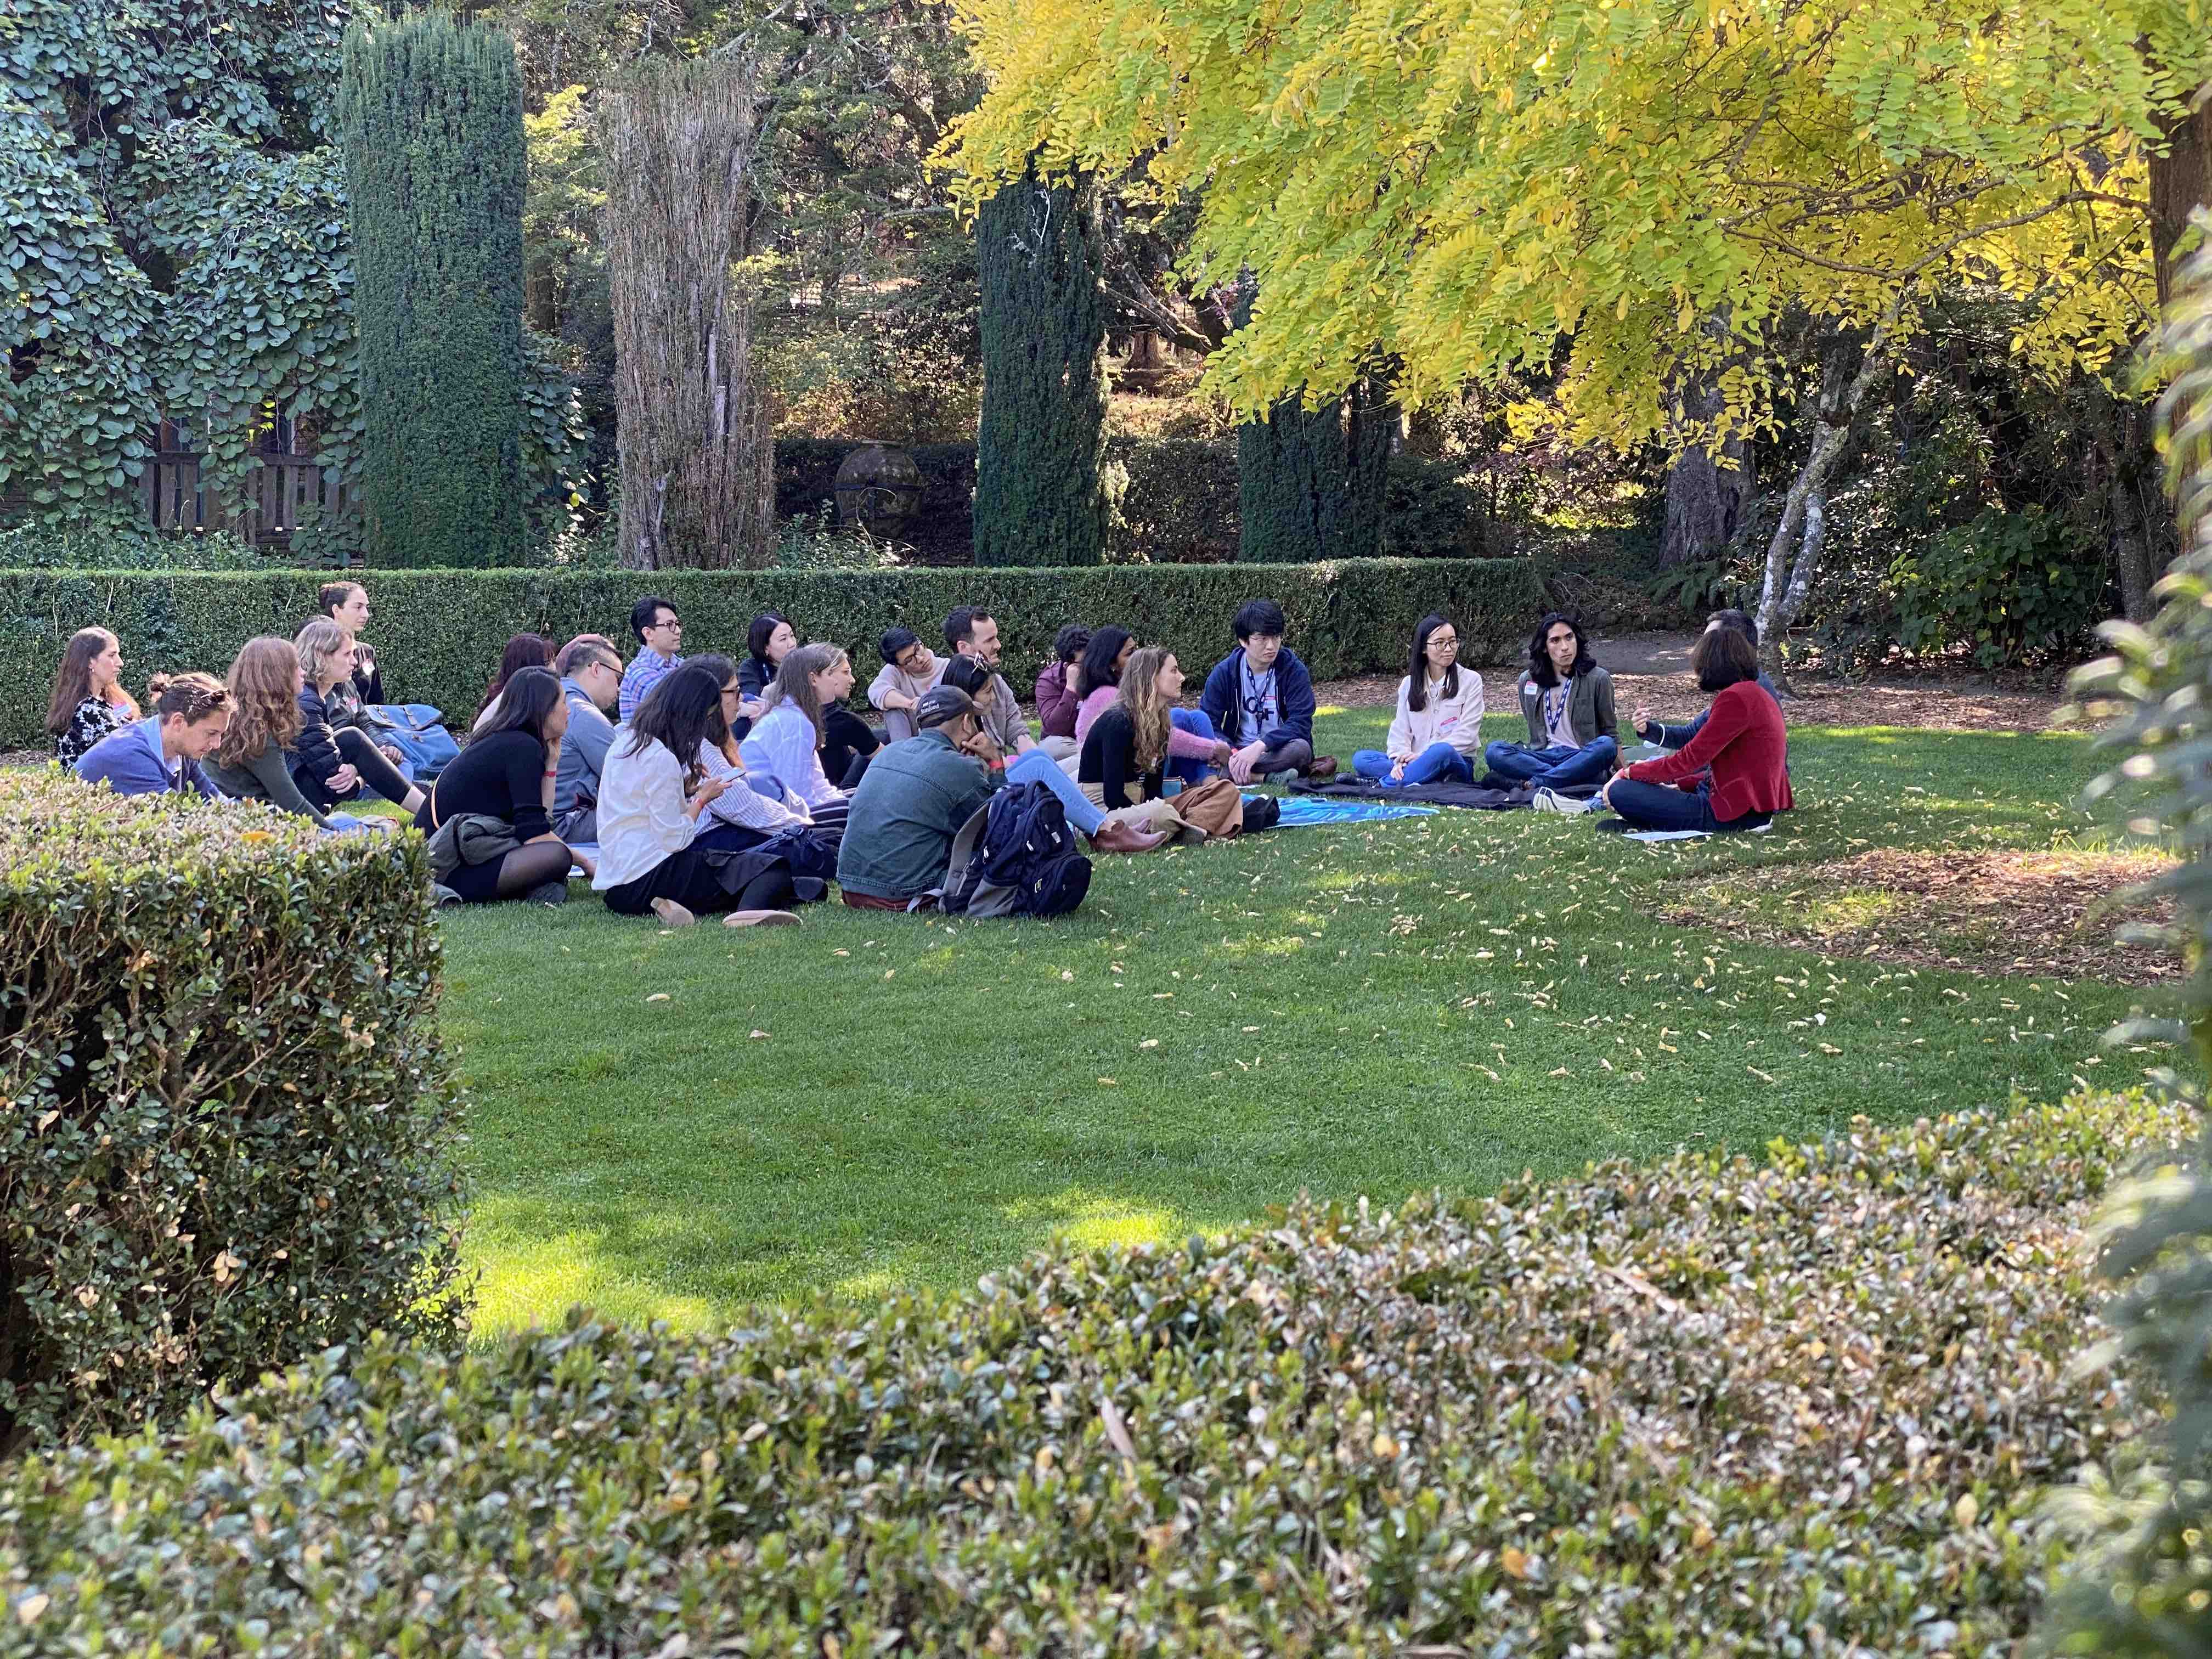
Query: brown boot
{"x": 1119, "y": 837}
{"x": 1323, "y": 769}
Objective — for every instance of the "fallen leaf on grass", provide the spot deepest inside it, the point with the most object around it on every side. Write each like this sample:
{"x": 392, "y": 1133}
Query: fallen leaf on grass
{"x": 758, "y": 1034}
{"x": 657, "y": 996}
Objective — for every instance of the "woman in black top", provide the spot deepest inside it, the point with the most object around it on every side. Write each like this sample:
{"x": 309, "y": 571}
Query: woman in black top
{"x": 1128, "y": 745}
{"x": 507, "y": 772}
{"x": 848, "y": 743}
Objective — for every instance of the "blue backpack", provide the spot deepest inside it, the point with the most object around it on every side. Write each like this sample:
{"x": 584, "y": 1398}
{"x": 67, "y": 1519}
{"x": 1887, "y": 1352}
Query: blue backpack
{"x": 1015, "y": 857}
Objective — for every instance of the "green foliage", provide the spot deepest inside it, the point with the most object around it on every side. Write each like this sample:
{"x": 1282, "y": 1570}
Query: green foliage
{"x": 227, "y": 1136}
{"x": 2007, "y": 586}
{"x": 1709, "y": 1406}
{"x": 1311, "y": 481}
{"x": 432, "y": 114}
{"x": 1695, "y": 589}
{"x": 1040, "y": 497}
{"x": 437, "y": 632}
{"x": 133, "y": 547}
{"x": 1177, "y": 501}
{"x": 1429, "y": 511}
{"x": 74, "y": 331}
{"x": 2145, "y": 1584}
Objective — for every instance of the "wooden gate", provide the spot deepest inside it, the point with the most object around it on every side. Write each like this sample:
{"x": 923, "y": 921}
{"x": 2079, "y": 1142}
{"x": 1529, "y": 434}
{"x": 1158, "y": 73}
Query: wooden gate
{"x": 285, "y": 488}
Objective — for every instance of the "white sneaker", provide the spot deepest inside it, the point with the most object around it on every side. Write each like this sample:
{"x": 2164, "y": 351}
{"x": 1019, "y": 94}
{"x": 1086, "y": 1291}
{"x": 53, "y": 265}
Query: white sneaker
{"x": 1547, "y": 800}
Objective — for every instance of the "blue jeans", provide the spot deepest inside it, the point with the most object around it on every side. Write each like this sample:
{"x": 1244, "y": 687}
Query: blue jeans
{"x": 1438, "y": 763}
{"x": 1555, "y": 766}
{"x": 1085, "y": 815}
{"x": 1190, "y": 720}
{"x": 1662, "y": 807}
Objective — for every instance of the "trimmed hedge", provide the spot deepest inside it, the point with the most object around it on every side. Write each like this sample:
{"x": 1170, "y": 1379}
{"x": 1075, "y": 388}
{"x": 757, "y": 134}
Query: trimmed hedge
{"x": 227, "y": 1112}
{"x": 1800, "y": 1404}
{"x": 438, "y": 633}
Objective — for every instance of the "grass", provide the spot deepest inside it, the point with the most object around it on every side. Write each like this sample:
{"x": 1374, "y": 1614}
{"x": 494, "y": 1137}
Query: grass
{"x": 675, "y": 1125}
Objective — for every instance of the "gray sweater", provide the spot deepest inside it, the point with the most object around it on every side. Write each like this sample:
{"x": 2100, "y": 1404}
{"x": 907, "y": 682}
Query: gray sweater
{"x": 264, "y": 777}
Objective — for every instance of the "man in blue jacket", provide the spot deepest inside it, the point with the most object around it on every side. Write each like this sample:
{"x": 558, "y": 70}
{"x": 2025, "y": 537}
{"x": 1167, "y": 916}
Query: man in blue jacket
{"x": 1260, "y": 699}
{"x": 161, "y": 754}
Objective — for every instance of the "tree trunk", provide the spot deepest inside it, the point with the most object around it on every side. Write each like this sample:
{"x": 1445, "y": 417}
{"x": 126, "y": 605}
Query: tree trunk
{"x": 2180, "y": 183}
{"x": 1784, "y": 592}
{"x": 698, "y": 474}
{"x": 1706, "y": 488}
{"x": 2132, "y": 476}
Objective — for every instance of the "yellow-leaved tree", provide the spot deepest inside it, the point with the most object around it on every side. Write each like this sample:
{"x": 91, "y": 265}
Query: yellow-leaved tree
{"x": 1449, "y": 186}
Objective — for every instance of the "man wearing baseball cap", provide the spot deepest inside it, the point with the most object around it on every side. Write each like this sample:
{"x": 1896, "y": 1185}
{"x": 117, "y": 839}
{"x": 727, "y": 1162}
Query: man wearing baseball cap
{"x": 918, "y": 791}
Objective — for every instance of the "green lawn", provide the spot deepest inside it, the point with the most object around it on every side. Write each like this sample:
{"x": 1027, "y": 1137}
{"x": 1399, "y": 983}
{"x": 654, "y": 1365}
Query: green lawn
{"x": 672, "y": 1125}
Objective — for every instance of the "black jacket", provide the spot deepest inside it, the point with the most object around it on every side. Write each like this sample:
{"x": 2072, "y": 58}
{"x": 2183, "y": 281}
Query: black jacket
{"x": 1109, "y": 759}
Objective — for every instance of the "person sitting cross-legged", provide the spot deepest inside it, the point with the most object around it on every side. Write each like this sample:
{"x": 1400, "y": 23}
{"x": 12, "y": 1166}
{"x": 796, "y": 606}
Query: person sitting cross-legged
{"x": 1567, "y": 700}
{"x": 1260, "y": 699}
{"x": 332, "y": 760}
{"x": 661, "y": 848}
{"x": 1437, "y": 730}
{"x": 1735, "y": 773}
{"x": 909, "y": 669}
{"x": 591, "y": 672}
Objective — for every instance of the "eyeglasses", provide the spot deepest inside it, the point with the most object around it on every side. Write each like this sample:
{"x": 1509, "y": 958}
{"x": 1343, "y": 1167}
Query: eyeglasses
{"x": 733, "y": 690}
{"x": 1445, "y": 643}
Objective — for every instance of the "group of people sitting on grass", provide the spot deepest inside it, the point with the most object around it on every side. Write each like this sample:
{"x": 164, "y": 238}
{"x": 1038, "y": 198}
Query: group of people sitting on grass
{"x": 696, "y": 785}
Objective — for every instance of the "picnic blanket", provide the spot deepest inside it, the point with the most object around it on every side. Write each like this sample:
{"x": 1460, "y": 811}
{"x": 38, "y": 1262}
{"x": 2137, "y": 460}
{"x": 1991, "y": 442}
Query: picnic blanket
{"x": 1306, "y": 812}
{"x": 1472, "y": 795}
{"x": 1684, "y": 834}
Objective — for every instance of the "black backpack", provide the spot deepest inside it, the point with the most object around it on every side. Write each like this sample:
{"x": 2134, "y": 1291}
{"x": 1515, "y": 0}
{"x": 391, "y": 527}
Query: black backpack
{"x": 1016, "y": 857}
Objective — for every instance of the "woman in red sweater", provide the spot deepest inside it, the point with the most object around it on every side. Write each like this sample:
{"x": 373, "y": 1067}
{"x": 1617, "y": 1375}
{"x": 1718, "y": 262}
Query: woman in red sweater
{"x": 1735, "y": 773}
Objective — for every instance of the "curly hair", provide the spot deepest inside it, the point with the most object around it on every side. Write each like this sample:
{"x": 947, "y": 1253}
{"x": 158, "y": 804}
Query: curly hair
{"x": 264, "y": 705}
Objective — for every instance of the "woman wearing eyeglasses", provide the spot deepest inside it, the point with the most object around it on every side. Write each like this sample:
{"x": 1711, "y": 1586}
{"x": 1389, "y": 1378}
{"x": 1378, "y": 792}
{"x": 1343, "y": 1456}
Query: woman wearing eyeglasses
{"x": 1436, "y": 733}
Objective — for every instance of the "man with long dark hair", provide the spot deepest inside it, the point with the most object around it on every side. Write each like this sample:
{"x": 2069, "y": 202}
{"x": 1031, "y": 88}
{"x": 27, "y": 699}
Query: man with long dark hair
{"x": 1573, "y": 727}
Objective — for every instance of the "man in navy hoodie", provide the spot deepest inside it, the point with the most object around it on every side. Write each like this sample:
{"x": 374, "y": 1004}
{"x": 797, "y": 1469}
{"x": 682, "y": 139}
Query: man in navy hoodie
{"x": 1260, "y": 698}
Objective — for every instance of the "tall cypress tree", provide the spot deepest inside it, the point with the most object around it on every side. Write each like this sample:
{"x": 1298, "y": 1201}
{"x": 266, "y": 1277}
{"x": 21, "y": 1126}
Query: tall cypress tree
{"x": 1040, "y": 496}
{"x": 430, "y": 111}
{"x": 1309, "y": 481}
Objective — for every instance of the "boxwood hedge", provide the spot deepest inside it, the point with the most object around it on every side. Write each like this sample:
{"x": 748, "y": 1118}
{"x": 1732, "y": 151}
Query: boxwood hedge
{"x": 1798, "y": 1405}
{"x": 224, "y": 1109}
{"x": 438, "y": 633}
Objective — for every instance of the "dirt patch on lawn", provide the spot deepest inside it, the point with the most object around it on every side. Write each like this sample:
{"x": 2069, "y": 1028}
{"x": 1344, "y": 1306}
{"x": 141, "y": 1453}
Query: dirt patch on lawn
{"x": 2055, "y": 913}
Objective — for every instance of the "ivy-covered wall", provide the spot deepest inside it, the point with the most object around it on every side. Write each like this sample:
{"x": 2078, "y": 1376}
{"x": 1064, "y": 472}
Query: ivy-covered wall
{"x": 175, "y": 226}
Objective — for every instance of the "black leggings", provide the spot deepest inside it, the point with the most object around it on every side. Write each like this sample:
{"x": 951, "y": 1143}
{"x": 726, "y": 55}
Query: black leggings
{"x": 379, "y": 776}
{"x": 847, "y": 746}
{"x": 522, "y": 871}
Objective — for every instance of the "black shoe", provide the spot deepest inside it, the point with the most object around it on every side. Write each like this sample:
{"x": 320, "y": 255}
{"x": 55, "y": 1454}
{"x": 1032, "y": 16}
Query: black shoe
{"x": 1617, "y": 826}
{"x": 551, "y": 892}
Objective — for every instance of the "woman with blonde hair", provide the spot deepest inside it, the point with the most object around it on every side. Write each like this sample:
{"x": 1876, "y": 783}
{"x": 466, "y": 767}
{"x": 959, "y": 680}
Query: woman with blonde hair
{"x": 251, "y": 762}
{"x": 1125, "y": 752}
{"x": 785, "y": 744}
{"x": 88, "y": 701}
{"x": 332, "y": 761}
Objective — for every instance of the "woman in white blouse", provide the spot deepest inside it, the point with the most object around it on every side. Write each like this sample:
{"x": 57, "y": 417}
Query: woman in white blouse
{"x": 660, "y": 847}
{"x": 1437, "y": 734}
{"x": 785, "y": 743}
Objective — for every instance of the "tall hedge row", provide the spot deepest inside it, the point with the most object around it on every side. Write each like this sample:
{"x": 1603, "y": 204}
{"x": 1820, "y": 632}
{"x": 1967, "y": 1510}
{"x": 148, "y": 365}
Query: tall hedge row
{"x": 1803, "y": 1404}
{"x": 431, "y": 111}
{"x": 438, "y": 633}
{"x": 225, "y": 1114}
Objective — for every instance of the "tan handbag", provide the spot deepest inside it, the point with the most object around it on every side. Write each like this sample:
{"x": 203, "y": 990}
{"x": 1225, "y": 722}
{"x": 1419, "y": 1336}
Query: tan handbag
{"x": 1216, "y": 806}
